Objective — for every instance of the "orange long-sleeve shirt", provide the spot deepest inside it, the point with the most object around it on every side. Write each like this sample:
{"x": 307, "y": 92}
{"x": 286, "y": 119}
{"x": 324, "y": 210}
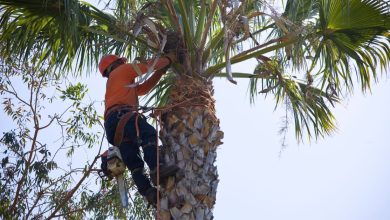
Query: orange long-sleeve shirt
{"x": 117, "y": 90}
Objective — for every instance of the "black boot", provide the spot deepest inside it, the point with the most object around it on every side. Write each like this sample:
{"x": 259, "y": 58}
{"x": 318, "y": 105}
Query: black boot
{"x": 151, "y": 196}
{"x": 165, "y": 172}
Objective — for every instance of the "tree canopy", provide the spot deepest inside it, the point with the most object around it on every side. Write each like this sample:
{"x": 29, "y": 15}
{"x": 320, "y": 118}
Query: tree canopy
{"x": 326, "y": 44}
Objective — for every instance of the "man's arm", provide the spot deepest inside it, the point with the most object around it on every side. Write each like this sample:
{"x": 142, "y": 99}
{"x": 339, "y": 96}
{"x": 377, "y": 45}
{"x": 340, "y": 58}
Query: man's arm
{"x": 145, "y": 87}
{"x": 162, "y": 63}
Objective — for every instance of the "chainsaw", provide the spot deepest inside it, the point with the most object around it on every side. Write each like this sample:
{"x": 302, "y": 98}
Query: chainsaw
{"x": 113, "y": 167}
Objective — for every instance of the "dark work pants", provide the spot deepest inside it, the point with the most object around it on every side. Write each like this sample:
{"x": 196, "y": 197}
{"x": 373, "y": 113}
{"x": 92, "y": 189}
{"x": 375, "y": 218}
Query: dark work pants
{"x": 130, "y": 149}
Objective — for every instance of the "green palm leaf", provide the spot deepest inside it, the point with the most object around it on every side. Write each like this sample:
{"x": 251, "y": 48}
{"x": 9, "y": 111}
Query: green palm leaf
{"x": 328, "y": 40}
{"x": 298, "y": 11}
{"x": 353, "y": 31}
{"x": 65, "y": 33}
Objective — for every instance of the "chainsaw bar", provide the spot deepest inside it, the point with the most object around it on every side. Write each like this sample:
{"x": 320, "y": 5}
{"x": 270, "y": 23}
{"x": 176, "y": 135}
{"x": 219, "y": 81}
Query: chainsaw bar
{"x": 122, "y": 190}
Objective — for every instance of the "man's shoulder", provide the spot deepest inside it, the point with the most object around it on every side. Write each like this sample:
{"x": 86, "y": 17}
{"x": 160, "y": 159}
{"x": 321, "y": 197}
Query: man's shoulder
{"x": 124, "y": 67}
{"x": 122, "y": 70}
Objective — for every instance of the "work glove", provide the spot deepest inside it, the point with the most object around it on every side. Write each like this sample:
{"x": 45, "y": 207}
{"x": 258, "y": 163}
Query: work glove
{"x": 174, "y": 47}
{"x": 171, "y": 56}
{"x": 172, "y": 42}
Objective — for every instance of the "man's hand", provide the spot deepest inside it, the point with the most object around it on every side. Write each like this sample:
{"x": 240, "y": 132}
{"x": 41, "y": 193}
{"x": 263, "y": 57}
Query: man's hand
{"x": 171, "y": 56}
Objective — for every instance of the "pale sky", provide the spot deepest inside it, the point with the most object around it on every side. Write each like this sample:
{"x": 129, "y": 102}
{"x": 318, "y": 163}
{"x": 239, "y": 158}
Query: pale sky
{"x": 342, "y": 177}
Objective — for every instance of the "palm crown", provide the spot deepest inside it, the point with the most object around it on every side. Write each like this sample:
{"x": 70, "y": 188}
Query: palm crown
{"x": 328, "y": 40}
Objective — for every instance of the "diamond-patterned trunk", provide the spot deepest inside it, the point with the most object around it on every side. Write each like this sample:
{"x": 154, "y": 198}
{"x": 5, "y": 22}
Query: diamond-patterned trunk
{"x": 191, "y": 133}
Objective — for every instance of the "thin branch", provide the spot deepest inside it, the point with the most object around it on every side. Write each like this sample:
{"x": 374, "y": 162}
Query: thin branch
{"x": 33, "y": 145}
{"x": 39, "y": 196}
{"x": 70, "y": 212}
{"x": 25, "y": 172}
{"x": 13, "y": 92}
{"x": 48, "y": 124}
{"x": 35, "y": 118}
{"x": 72, "y": 191}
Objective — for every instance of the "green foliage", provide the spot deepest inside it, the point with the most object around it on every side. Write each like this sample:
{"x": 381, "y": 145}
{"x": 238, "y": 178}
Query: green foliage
{"x": 106, "y": 204}
{"x": 298, "y": 11}
{"x": 334, "y": 43}
{"x": 68, "y": 31}
{"x": 328, "y": 41}
{"x": 74, "y": 92}
{"x": 83, "y": 116}
{"x": 350, "y": 39}
{"x": 308, "y": 104}
{"x": 162, "y": 90}
{"x": 46, "y": 172}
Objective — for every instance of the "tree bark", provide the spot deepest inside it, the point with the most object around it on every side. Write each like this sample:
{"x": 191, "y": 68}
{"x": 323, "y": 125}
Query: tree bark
{"x": 191, "y": 134}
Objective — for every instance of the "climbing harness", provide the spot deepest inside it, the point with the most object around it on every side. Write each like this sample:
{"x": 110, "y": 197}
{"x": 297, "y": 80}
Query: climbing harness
{"x": 112, "y": 164}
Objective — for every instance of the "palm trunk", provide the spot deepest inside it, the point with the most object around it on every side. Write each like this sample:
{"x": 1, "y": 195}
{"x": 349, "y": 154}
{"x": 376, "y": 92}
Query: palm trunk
{"x": 191, "y": 132}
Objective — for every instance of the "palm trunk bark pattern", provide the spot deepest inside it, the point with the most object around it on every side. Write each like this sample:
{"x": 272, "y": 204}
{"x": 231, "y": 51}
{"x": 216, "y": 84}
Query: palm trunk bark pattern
{"x": 191, "y": 134}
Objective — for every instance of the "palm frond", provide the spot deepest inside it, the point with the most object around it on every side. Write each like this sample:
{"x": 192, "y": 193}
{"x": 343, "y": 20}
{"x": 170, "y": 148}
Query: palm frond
{"x": 66, "y": 33}
{"x": 328, "y": 40}
{"x": 160, "y": 94}
{"x": 350, "y": 39}
{"x": 309, "y": 106}
{"x": 298, "y": 11}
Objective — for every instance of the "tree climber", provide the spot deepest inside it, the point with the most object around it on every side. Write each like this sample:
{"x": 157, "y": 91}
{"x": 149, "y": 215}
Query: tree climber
{"x": 125, "y": 127}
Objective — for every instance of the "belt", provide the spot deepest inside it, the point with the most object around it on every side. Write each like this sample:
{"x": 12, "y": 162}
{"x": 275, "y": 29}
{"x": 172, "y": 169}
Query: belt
{"x": 120, "y": 128}
{"x": 116, "y": 108}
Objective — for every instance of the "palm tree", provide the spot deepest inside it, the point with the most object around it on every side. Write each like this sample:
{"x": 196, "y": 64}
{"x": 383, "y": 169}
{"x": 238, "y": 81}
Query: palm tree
{"x": 323, "y": 42}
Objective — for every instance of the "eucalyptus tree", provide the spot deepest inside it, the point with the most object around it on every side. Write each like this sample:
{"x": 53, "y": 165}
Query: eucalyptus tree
{"x": 48, "y": 158}
{"x": 36, "y": 180}
{"x": 308, "y": 56}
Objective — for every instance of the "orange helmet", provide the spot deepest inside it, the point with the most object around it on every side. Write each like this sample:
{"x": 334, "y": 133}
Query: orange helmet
{"x": 107, "y": 60}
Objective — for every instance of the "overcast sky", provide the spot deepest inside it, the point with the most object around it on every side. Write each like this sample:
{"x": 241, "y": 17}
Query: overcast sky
{"x": 342, "y": 177}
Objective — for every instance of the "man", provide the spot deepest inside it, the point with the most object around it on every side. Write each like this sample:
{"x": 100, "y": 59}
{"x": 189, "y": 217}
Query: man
{"x": 127, "y": 129}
